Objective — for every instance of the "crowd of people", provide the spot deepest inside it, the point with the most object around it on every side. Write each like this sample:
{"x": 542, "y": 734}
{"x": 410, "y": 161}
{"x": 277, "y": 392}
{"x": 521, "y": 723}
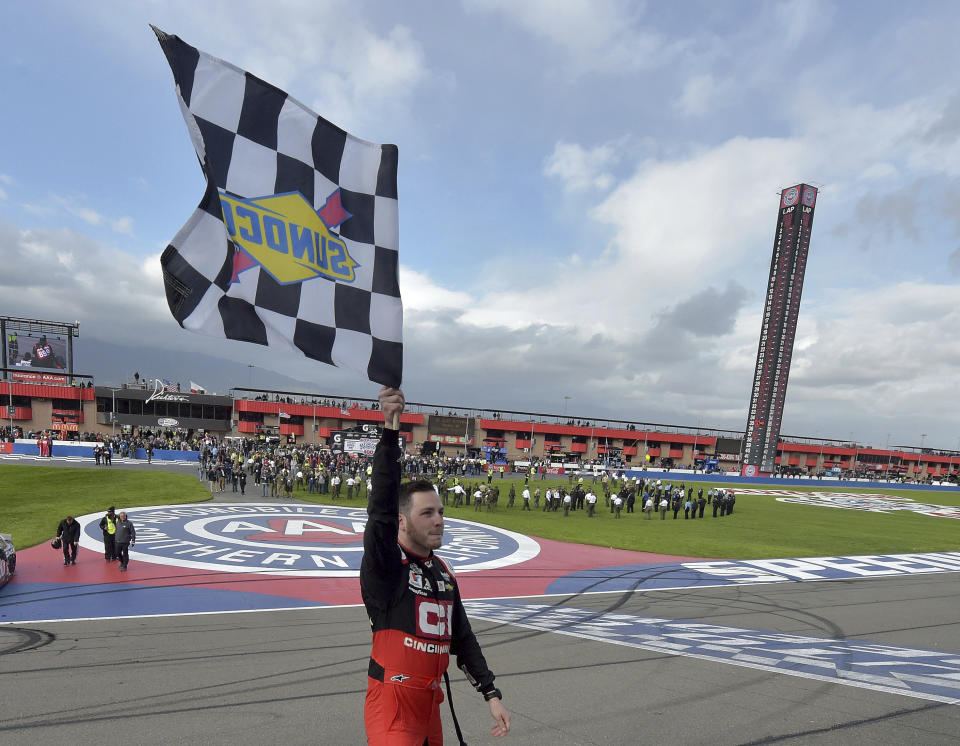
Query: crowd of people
{"x": 281, "y": 470}
{"x": 621, "y": 494}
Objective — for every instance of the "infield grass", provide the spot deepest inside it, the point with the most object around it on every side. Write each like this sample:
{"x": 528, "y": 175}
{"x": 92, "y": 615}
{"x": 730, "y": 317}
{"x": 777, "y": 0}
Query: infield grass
{"x": 34, "y": 499}
{"x": 760, "y": 527}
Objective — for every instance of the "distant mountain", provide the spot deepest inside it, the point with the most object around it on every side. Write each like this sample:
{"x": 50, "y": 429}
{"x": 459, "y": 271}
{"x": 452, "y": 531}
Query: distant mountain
{"x": 115, "y": 364}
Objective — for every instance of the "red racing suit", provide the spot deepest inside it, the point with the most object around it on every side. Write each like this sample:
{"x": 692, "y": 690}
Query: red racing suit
{"x": 417, "y": 617}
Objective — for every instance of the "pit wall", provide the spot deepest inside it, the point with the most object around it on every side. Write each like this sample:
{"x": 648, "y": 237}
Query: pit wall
{"x": 83, "y": 449}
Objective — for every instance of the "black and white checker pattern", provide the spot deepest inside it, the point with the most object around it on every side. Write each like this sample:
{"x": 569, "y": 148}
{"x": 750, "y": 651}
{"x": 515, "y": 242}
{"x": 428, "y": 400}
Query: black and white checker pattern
{"x": 254, "y": 140}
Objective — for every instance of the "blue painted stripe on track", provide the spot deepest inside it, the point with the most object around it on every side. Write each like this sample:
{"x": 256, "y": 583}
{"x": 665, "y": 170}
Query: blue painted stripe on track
{"x": 28, "y": 602}
{"x": 925, "y": 674}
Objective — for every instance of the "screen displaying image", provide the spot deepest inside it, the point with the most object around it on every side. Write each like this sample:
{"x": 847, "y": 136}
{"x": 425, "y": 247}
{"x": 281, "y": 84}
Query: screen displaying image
{"x": 39, "y": 352}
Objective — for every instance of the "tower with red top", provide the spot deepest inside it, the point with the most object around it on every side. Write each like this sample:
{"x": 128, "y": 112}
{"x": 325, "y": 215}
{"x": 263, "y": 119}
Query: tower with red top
{"x": 778, "y": 329}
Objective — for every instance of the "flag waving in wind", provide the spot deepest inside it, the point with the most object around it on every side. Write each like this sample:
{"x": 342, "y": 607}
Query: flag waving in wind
{"x": 294, "y": 244}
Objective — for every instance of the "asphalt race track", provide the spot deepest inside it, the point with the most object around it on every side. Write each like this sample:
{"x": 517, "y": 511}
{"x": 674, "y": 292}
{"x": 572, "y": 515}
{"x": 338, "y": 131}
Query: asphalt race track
{"x": 299, "y": 676}
{"x": 600, "y": 648}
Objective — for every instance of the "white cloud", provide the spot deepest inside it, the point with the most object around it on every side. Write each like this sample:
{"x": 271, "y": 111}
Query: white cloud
{"x": 327, "y": 55}
{"x": 648, "y": 304}
{"x": 57, "y": 205}
{"x": 580, "y": 169}
{"x": 65, "y": 273}
{"x": 595, "y": 34}
{"x": 880, "y": 171}
{"x": 699, "y": 95}
{"x": 420, "y": 293}
{"x": 123, "y": 225}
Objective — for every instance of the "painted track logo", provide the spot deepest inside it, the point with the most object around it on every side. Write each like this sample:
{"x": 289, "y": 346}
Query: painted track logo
{"x": 293, "y": 540}
{"x": 873, "y": 503}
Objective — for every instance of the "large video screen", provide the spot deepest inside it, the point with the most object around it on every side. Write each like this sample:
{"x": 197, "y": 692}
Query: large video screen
{"x": 40, "y": 351}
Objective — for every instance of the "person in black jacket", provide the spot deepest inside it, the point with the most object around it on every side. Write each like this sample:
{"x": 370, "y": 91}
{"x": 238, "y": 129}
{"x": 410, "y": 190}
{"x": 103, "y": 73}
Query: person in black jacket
{"x": 126, "y": 537}
{"x": 69, "y": 533}
{"x": 413, "y": 602}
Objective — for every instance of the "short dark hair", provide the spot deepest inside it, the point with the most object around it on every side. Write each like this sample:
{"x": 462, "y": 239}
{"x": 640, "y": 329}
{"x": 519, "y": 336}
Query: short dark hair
{"x": 408, "y": 488}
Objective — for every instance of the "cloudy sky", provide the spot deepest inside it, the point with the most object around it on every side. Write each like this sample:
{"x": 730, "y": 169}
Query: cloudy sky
{"x": 588, "y": 193}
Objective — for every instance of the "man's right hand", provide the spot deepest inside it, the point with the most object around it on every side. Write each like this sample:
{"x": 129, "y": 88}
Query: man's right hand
{"x": 391, "y": 404}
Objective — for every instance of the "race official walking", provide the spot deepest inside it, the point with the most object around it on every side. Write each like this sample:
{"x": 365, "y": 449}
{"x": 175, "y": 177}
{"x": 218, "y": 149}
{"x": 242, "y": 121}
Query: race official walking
{"x": 125, "y": 538}
{"x": 69, "y": 533}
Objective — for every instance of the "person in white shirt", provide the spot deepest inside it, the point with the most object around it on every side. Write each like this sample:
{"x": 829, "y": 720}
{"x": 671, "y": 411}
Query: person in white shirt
{"x": 458, "y": 493}
{"x": 617, "y": 504}
{"x": 591, "y": 504}
{"x": 526, "y": 498}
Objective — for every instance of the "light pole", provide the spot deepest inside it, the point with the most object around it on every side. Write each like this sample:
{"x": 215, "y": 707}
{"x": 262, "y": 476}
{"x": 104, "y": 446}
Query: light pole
{"x": 855, "y": 456}
{"x": 889, "y": 457}
{"x": 565, "y": 400}
{"x": 113, "y": 413}
{"x": 10, "y": 406}
{"x": 695, "y": 439}
{"x": 958, "y": 451}
{"x": 923, "y": 437}
{"x": 250, "y": 367}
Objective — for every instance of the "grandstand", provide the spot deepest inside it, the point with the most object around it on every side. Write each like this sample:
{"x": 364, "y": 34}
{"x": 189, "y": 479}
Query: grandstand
{"x": 552, "y": 441}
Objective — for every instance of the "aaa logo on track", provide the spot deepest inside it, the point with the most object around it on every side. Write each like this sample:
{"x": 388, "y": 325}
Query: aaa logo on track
{"x": 296, "y": 540}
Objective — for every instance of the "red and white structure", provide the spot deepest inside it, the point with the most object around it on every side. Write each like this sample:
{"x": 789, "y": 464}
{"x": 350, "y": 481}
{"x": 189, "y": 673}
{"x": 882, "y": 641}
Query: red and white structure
{"x": 784, "y": 288}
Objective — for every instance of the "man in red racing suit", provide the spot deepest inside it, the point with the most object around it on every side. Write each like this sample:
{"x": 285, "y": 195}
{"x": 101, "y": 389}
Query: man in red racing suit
{"x": 414, "y": 606}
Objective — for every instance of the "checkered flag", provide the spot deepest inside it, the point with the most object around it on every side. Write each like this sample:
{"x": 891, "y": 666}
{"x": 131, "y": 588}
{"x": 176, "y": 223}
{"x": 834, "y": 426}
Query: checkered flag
{"x": 294, "y": 244}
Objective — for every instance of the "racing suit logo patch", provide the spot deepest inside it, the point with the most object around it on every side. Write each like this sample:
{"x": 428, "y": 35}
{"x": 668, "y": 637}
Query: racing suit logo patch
{"x": 433, "y": 618}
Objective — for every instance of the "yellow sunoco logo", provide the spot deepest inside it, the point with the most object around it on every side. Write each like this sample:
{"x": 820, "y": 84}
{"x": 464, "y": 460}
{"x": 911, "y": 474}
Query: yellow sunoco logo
{"x": 286, "y": 236}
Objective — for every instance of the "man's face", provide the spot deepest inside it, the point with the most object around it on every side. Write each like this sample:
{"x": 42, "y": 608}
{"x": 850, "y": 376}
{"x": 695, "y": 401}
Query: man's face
{"x": 422, "y": 530}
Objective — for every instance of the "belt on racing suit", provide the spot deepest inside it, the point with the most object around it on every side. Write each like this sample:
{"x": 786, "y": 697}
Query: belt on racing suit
{"x": 389, "y": 676}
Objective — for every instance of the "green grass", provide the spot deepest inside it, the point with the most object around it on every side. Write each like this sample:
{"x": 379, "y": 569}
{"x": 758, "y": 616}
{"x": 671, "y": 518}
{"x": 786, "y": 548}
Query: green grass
{"x": 760, "y": 527}
{"x": 34, "y": 499}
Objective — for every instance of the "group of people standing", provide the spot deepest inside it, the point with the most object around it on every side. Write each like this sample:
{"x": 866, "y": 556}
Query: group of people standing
{"x": 620, "y": 494}
{"x": 103, "y": 454}
{"x": 667, "y": 497}
{"x": 119, "y": 534}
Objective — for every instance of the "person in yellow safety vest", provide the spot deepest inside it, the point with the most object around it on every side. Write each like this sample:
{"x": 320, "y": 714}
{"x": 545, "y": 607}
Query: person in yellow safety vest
{"x": 108, "y": 524}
